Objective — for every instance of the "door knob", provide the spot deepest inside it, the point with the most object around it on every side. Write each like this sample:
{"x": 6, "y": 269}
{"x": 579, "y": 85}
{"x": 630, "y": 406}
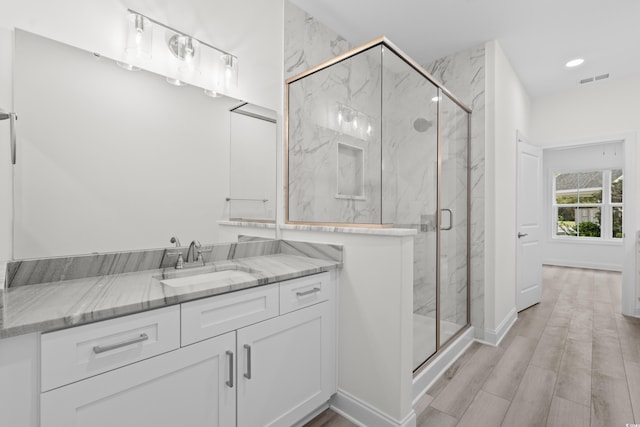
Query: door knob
{"x": 522, "y": 235}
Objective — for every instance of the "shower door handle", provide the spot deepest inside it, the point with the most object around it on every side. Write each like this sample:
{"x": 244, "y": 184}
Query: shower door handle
{"x": 450, "y": 220}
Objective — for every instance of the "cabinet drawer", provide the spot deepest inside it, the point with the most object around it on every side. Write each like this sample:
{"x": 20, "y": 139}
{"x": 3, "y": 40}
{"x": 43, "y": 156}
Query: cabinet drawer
{"x": 80, "y": 352}
{"x": 298, "y": 293}
{"x": 214, "y": 316}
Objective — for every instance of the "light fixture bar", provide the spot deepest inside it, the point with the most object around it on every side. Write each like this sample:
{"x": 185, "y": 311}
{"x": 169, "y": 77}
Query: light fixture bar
{"x": 224, "y": 52}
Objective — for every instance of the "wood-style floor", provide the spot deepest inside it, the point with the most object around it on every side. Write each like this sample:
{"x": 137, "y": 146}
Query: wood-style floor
{"x": 572, "y": 360}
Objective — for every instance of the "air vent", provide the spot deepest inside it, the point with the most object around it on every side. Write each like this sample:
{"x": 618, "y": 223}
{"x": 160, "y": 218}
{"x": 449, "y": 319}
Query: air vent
{"x": 593, "y": 79}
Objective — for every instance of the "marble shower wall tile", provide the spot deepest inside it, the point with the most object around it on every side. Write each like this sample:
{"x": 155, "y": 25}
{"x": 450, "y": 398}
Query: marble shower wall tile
{"x": 409, "y": 146}
{"x": 336, "y": 109}
{"x": 464, "y": 75}
{"x": 308, "y": 42}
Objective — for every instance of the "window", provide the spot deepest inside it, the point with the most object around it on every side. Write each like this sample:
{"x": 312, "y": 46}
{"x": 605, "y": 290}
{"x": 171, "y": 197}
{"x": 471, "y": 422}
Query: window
{"x": 588, "y": 204}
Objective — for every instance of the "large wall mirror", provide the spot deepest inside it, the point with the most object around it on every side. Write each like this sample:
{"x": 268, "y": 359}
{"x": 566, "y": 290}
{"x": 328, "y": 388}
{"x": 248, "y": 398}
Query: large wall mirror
{"x": 112, "y": 160}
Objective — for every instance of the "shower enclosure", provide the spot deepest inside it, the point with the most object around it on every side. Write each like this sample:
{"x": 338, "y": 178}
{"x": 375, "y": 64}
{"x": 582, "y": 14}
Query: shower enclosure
{"x": 374, "y": 141}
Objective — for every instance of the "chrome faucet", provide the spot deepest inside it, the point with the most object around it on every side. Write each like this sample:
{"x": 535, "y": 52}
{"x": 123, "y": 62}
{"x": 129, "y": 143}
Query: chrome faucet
{"x": 191, "y": 253}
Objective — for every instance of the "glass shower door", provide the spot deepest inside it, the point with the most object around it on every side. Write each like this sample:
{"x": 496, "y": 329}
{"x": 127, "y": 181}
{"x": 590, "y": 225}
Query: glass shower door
{"x": 453, "y": 259}
{"x": 409, "y": 184}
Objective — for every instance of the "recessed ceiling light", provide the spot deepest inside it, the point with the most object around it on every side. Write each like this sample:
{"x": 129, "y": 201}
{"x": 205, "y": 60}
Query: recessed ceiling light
{"x": 574, "y": 63}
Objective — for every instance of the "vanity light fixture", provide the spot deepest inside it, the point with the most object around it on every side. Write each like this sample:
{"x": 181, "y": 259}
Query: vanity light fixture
{"x": 222, "y": 66}
{"x": 574, "y": 63}
{"x": 139, "y": 36}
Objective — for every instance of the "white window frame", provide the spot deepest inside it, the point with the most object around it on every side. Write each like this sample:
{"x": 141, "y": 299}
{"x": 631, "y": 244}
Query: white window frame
{"x": 606, "y": 208}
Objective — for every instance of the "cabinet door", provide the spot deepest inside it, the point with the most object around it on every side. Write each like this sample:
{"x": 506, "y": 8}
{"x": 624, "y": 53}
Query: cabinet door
{"x": 189, "y": 387}
{"x": 285, "y": 367}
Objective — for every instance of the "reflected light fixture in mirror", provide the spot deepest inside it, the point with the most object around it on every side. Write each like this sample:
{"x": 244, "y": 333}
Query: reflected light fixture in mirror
{"x": 139, "y": 36}
{"x": 196, "y": 56}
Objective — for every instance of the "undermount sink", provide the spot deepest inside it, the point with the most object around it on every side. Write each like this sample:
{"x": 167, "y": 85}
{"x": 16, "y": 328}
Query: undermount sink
{"x": 210, "y": 276}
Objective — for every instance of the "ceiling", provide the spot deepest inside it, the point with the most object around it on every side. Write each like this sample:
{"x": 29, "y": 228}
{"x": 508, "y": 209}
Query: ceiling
{"x": 538, "y": 37}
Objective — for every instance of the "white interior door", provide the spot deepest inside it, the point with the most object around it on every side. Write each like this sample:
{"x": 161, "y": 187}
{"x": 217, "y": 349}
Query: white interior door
{"x": 529, "y": 225}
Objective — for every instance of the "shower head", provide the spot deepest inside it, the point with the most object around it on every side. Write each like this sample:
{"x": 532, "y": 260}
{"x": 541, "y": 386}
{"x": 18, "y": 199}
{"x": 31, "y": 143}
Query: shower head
{"x": 421, "y": 124}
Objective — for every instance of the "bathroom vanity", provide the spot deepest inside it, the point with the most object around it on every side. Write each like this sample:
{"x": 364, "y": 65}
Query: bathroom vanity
{"x": 258, "y": 351}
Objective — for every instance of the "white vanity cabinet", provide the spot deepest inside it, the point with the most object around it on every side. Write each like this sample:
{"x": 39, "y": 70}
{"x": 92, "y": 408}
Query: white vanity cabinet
{"x": 285, "y": 367}
{"x": 189, "y": 387}
{"x": 239, "y": 359}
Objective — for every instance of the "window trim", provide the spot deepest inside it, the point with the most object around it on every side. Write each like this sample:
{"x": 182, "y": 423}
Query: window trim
{"x": 606, "y": 209}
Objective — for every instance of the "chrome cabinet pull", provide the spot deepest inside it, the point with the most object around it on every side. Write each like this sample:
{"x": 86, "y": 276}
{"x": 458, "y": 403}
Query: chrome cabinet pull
{"x": 102, "y": 348}
{"x": 309, "y": 292}
{"x": 247, "y": 374}
{"x": 230, "y": 357}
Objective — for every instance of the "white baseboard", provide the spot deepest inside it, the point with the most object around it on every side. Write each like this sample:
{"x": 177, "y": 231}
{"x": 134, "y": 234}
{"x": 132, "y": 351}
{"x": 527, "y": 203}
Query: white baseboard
{"x": 365, "y": 415}
{"x": 312, "y": 415}
{"x": 494, "y": 336}
{"x": 440, "y": 364}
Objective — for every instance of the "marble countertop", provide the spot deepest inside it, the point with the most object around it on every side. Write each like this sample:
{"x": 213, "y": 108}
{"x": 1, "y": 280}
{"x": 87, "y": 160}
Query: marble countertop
{"x": 55, "y": 305}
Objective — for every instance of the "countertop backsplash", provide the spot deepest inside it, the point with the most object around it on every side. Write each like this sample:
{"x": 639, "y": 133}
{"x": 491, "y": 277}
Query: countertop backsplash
{"x": 49, "y": 270}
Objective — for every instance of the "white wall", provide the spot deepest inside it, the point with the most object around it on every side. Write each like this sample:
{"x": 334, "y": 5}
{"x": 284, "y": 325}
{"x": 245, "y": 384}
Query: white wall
{"x": 606, "y": 255}
{"x": 600, "y": 111}
{"x": 508, "y": 110}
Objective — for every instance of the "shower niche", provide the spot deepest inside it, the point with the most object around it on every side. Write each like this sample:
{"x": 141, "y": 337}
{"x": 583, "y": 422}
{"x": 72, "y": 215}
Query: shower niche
{"x": 372, "y": 140}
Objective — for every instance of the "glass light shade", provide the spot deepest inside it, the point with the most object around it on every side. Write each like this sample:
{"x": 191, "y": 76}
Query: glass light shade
{"x": 139, "y": 37}
{"x": 185, "y": 49}
{"x": 229, "y": 70}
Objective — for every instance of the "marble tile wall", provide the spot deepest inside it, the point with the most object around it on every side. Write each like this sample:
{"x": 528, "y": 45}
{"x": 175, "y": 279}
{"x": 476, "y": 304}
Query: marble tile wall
{"x": 409, "y": 146}
{"x": 336, "y": 107}
{"x": 308, "y": 42}
{"x": 463, "y": 74}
